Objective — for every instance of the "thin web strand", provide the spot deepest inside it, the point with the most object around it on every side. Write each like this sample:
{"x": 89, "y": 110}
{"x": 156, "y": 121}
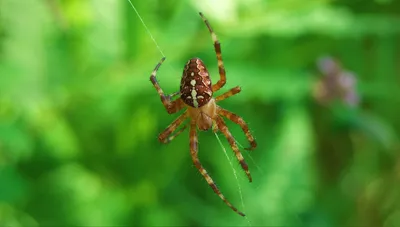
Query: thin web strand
{"x": 234, "y": 173}
{"x": 248, "y": 153}
{"x": 148, "y": 31}
{"x": 152, "y": 37}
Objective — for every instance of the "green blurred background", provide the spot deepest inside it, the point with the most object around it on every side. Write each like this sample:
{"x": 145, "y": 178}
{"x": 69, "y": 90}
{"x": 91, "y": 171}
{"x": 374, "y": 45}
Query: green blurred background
{"x": 79, "y": 118}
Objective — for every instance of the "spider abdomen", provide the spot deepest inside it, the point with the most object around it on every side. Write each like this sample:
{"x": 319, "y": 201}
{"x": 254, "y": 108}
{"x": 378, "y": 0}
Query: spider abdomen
{"x": 196, "y": 87}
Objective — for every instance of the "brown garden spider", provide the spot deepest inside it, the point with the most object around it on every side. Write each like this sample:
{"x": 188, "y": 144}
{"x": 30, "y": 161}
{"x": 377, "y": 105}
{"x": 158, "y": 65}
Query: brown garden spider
{"x": 196, "y": 94}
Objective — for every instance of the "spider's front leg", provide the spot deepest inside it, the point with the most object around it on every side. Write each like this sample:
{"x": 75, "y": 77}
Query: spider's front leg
{"x": 194, "y": 149}
{"x": 235, "y": 118}
{"x": 238, "y": 120}
{"x": 224, "y": 129}
{"x": 170, "y": 106}
{"x": 165, "y": 136}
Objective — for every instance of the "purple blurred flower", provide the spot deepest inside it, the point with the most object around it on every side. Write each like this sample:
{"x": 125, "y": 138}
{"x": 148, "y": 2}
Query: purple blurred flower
{"x": 336, "y": 84}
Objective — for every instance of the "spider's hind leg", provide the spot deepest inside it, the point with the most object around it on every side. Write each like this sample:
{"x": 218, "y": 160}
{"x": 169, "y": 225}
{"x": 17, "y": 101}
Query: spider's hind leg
{"x": 170, "y": 106}
{"x": 231, "y": 92}
{"x": 217, "y": 46}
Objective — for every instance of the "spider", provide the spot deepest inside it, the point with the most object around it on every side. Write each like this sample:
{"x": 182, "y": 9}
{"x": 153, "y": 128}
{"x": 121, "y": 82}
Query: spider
{"x": 196, "y": 95}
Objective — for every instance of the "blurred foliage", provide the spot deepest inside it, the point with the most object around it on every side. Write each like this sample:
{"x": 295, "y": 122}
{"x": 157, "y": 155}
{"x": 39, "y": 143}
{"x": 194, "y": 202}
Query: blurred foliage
{"x": 79, "y": 118}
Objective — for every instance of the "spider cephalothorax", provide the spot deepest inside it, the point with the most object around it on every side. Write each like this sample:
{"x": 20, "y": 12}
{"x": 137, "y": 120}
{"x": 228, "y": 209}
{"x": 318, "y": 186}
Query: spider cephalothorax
{"x": 196, "y": 94}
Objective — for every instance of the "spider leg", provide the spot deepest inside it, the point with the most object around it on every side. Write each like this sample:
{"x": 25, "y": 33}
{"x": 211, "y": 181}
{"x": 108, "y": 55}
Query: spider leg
{"x": 176, "y": 134}
{"x": 174, "y": 94}
{"x": 170, "y": 106}
{"x": 238, "y": 120}
{"x": 224, "y": 129}
{"x": 217, "y": 47}
{"x": 196, "y": 161}
{"x": 165, "y": 136}
{"x": 231, "y": 92}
